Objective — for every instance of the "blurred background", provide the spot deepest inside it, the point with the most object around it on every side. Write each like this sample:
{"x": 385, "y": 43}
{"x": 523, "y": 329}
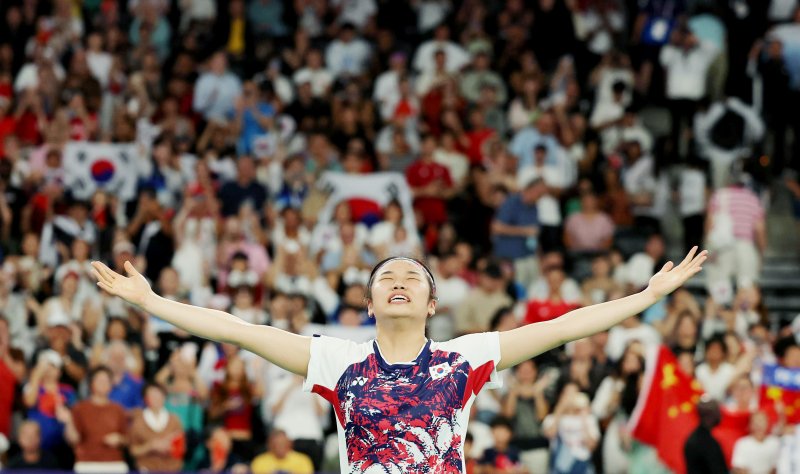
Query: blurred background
{"x": 261, "y": 156}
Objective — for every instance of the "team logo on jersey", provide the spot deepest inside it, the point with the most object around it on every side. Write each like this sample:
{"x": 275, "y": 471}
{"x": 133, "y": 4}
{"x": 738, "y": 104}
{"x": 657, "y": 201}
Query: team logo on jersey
{"x": 441, "y": 370}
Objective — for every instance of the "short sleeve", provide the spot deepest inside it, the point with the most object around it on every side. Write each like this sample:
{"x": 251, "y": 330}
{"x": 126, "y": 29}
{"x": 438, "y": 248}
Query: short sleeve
{"x": 330, "y": 357}
{"x": 482, "y": 351}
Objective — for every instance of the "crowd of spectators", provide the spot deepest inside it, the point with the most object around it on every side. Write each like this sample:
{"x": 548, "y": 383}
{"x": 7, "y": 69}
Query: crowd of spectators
{"x": 546, "y": 145}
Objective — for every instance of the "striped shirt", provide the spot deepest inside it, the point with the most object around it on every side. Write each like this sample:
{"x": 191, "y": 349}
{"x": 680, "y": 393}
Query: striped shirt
{"x": 744, "y": 208}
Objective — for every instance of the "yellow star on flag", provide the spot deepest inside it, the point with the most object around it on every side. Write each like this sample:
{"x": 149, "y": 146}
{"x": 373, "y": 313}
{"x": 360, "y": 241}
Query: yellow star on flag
{"x": 668, "y": 378}
{"x": 673, "y": 412}
{"x": 774, "y": 393}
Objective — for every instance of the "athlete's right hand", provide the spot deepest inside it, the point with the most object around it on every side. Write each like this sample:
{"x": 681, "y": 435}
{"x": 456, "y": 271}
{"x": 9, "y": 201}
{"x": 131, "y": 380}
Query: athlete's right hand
{"x": 133, "y": 288}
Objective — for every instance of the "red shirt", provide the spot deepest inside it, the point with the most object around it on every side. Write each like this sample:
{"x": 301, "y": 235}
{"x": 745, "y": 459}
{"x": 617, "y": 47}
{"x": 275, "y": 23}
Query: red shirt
{"x": 476, "y": 139}
{"x": 78, "y": 130}
{"x": 545, "y": 310}
{"x": 7, "y": 126}
{"x": 238, "y": 418}
{"x": 28, "y": 130}
{"x": 8, "y": 383}
{"x": 421, "y": 174}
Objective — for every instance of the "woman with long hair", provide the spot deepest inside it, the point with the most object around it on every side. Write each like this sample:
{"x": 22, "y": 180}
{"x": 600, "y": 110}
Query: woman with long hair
{"x": 232, "y": 404}
{"x": 401, "y": 401}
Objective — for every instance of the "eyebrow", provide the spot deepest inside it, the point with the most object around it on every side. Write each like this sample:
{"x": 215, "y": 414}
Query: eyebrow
{"x": 387, "y": 272}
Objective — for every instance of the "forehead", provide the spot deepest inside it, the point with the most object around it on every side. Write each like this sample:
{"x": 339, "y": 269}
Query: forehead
{"x": 400, "y": 267}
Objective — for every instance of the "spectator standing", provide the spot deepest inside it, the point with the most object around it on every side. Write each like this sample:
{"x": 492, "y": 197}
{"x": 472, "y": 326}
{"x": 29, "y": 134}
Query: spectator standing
{"x": 686, "y": 61}
{"x": 97, "y": 428}
{"x": 217, "y": 90}
{"x": 516, "y": 228}
{"x": 736, "y": 232}
{"x": 702, "y": 452}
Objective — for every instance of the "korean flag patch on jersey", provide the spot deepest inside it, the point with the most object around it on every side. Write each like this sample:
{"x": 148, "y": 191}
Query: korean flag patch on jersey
{"x": 441, "y": 370}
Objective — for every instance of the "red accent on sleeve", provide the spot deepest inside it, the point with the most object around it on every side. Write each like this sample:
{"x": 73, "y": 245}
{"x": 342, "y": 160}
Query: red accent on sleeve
{"x": 333, "y": 398}
{"x": 476, "y": 379}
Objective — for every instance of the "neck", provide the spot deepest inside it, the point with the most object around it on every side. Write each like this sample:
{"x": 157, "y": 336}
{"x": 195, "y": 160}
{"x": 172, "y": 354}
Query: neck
{"x": 99, "y": 399}
{"x": 31, "y": 455}
{"x": 400, "y": 341}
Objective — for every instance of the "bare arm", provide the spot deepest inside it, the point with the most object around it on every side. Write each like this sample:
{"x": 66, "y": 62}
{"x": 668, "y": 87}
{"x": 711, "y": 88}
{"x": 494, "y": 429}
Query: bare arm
{"x": 761, "y": 236}
{"x": 528, "y": 341}
{"x": 284, "y": 349}
{"x": 501, "y": 228}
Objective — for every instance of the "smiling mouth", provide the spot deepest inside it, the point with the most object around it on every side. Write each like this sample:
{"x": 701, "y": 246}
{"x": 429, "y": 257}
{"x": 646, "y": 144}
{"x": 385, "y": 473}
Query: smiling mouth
{"x": 399, "y": 299}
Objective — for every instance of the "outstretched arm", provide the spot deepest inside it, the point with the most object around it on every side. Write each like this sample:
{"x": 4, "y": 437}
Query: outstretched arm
{"x": 284, "y": 349}
{"x": 528, "y": 341}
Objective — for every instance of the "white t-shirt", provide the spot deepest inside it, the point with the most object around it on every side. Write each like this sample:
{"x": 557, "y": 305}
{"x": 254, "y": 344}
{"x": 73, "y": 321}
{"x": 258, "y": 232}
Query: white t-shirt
{"x": 686, "y": 71}
{"x": 357, "y": 12}
{"x": 572, "y": 433}
{"x": 619, "y": 337}
{"x": 298, "y": 416}
{"x": 715, "y": 383}
{"x": 758, "y": 457}
{"x": 320, "y": 79}
{"x": 400, "y": 417}
{"x": 347, "y": 58}
{"x": 452, "y": 291}
{"x": 692, "y": 191}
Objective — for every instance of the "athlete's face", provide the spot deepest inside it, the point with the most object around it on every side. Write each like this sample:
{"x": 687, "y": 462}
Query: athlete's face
{"x": 401, "y": 289}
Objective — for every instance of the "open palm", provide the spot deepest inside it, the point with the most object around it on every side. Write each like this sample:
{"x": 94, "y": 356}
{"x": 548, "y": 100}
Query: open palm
{"x": 671, "y": 277}
{"x": 133, "y": 289}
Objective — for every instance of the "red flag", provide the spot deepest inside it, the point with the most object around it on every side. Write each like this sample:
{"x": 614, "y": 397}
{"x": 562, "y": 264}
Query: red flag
{"x": 666, "y": 411}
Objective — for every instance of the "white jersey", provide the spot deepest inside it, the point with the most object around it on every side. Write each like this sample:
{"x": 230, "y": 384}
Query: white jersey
{"x": 406, "y": 417}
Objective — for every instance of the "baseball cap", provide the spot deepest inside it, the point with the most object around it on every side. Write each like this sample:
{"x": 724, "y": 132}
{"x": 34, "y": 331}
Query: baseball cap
{"x": 58, "y": 319}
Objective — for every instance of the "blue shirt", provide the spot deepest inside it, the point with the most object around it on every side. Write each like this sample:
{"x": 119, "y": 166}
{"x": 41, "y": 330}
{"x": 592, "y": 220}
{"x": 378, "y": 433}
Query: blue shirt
{"x": 215, "y": 96}
{"x": 525, "y": 142}
{"x": 128, "y": 392}
{"x": 515, "y": 212}
{"x": 251, "y": 129}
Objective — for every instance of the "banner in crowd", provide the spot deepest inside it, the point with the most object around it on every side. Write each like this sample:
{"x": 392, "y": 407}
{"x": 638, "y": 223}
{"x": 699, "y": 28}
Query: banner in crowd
{"x": 367, "y": 195}
{"x": 780, "y": 391}
{"x": 666, "y": 411}
{"x": 91, "y": 166}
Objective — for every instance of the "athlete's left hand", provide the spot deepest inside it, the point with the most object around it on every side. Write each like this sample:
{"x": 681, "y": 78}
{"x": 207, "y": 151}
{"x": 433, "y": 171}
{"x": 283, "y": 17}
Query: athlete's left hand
{"x": 670, "y": 277}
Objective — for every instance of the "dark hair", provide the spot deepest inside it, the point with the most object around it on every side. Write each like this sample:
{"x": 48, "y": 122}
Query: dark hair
{"x": 499, "y": 315}
{"x": 428, "y": 274}
{"x": 783, "y": 345}
{"x": 501, "y": 421}
{"x": 154, "y": 385}
{"x": 717, "y": 338}
{"x": 708, "y": 412}
{"x": 97, "y": 371}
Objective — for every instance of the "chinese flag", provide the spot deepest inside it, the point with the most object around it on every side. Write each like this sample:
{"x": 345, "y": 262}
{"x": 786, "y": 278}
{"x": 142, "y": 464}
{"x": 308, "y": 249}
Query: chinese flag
{"x": 665, "y": 413}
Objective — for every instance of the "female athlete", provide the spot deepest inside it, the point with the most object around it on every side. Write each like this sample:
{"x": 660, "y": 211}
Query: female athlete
{"x": 402, "y": 401}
